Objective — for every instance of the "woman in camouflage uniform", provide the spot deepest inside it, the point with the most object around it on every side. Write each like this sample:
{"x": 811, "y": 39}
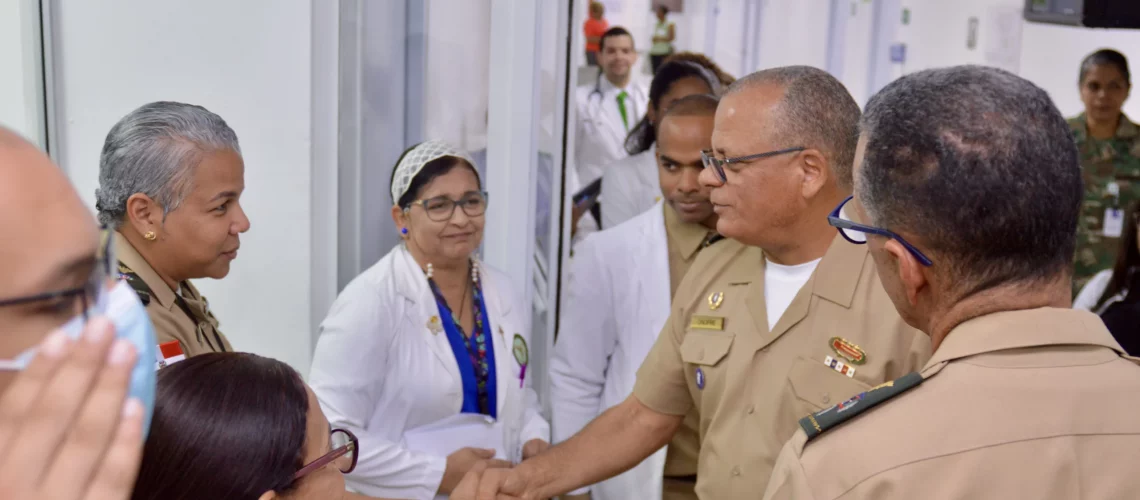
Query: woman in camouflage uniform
{"x": 1109, "y": 145}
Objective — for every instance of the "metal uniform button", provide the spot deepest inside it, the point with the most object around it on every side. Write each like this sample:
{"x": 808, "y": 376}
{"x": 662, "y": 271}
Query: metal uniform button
{"x": 751, "y": 410}
{"x": 826, "y": 399}
{"x": 736, "y": 471}
{"x": 701, "y": 354}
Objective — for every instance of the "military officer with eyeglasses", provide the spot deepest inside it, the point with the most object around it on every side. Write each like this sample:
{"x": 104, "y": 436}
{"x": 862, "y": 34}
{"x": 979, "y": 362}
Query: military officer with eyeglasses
{"x": 781, "y": 320}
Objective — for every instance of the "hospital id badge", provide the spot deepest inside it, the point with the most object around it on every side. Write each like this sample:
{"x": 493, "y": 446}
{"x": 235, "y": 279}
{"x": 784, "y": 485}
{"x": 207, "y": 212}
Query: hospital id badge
{"x": 1113, "y": 222}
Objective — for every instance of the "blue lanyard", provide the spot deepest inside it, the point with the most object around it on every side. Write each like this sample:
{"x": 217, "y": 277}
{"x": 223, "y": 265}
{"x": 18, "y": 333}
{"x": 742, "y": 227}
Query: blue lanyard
{"x": 459, "y": 347}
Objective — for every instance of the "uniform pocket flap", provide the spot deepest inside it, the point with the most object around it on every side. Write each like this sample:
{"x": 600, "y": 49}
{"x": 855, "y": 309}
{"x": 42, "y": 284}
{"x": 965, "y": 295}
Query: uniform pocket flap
{"x": 705, "y": 348}
{"x": 821, "y": 385}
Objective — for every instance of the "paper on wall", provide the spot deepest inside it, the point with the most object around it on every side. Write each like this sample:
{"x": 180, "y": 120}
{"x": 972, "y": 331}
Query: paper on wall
{"x": 1001, "y": 40}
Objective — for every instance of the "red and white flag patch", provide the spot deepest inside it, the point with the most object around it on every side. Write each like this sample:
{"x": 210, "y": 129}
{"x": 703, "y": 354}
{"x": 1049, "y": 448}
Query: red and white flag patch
{"x": 168, "y": 353}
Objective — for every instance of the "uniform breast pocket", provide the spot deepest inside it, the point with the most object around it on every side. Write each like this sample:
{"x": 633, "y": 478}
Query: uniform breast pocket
{"x": 704, "y": 354}
{"x": 819, "y": 386}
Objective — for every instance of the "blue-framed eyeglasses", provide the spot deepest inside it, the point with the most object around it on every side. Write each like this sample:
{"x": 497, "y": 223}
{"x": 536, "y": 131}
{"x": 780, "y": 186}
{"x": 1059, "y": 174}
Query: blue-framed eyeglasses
{"x": 709, "y": 160}
{"x": 857, "y": 233}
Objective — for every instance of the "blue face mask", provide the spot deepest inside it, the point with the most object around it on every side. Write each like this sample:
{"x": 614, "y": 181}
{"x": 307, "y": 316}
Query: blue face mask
{"x": 122, "y": 306}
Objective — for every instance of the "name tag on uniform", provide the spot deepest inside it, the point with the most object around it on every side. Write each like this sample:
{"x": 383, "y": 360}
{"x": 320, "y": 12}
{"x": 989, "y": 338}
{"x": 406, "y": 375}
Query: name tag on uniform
{"x": 707, "y": 323}
{"x": 1113, "y": 222}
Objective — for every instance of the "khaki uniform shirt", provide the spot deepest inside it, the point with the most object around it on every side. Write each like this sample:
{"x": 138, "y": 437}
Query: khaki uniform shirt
{"x": 750, "y": 386}
{"x": 193, "y": 325}
{"x": 685, "y": 241}
{"x": 1038, "y": 404}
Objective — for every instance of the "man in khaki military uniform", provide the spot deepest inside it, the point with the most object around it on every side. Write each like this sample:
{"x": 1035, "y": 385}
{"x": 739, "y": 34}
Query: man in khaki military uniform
{"x": 973, "y": 192}
{"x": 783, "y": 320}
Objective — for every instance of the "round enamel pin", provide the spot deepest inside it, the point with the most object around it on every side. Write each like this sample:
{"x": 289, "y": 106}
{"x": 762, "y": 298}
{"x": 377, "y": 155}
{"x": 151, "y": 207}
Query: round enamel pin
{"x": 700, "y": 378}
{"x": 522, "y": 355}
{"x": 519, "y": 349}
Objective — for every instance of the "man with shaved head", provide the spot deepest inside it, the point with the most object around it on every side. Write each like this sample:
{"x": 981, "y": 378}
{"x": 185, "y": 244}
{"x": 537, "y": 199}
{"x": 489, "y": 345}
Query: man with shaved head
{"x": 65, "y": 432}
{"x": 781, "y": 320}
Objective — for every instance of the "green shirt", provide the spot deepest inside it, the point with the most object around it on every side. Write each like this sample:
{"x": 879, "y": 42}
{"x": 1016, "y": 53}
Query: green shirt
{"x": 1103, "y": 162}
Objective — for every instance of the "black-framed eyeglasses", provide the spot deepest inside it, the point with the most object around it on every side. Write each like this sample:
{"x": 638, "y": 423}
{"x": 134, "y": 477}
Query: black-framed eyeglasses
{"x": 344, "y": 454}
{"x": 442, "y": 208}
{"x": 709, "y": 160}
{"x": 89, "y": 293}
{"x": 857, "y": 233}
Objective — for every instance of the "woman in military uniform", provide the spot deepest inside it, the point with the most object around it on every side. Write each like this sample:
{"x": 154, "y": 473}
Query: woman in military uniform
{"x": 170, "y": 177}
{"x": 1109, "y": 145}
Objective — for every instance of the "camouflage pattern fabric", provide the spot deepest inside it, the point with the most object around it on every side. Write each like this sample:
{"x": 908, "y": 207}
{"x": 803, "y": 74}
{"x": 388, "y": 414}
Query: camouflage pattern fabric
{"x": 1103, "y": 162}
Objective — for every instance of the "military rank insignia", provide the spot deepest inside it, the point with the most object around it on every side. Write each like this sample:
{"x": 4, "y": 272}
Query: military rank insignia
{"x": 715, "y": 300}
{"x": 819, "y": 422}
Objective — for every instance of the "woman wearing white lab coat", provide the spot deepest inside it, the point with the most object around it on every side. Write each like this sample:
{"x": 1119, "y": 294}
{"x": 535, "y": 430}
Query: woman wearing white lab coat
{"x": 424, "y": 356}
{"x": 630, "y": 186}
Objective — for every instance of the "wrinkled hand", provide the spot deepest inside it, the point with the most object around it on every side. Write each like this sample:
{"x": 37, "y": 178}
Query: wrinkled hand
{"x": 462, "y": 461}
{"x": 534, "y": 447}
{"x": 65, "y": 432}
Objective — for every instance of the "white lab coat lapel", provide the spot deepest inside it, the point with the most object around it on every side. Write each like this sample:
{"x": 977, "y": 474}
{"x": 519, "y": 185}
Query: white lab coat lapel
{"x": 653, "y": 285}
{"x": 415, "y": 289}
{"x": 504, "y": 326}
{"x": 612, "y": 117}
{"x": 658, "y": 284}
{"x": 652, "y": 316}
{"x": 502, "y": 332}
{"x": 642, "y": 296}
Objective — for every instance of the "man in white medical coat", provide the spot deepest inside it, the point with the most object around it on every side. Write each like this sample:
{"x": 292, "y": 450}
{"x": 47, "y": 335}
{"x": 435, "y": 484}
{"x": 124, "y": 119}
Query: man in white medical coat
{"x": 621, "y": 283}
{"x": 607, "y": 111}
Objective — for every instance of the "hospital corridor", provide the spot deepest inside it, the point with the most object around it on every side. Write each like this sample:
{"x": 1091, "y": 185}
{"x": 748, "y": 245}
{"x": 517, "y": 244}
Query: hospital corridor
{"x": 576, "y": 249}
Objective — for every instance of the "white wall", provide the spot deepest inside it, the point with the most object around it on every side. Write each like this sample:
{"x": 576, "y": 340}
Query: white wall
{"x": 457, "y": 66}
{"x": 794, "y": 33}
{"x": 21, "y": 95}
{"x": 937, "y": 33}
{"x": 1048, "y": 55}
{"x": 248, "y": 61}
{"x": 857, "y": 50}
{"x": 1051, "y": 57}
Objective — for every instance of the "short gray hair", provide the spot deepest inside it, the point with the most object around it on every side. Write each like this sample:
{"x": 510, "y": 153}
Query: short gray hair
{"x": 981, "y": 167}
{"x": 153, "y": 151}
{"x": 817, "y": 112}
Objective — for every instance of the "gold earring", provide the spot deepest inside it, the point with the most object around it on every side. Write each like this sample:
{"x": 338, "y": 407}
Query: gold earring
{"x": 150, "y": 236}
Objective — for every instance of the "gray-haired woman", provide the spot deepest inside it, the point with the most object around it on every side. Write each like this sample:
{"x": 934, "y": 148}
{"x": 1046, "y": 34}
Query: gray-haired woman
{"x": 170, "y": 177}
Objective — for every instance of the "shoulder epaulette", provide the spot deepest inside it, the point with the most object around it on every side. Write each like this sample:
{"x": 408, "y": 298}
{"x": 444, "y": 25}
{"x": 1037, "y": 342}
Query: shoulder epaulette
{"x": 819, "y": 422}
{"x": 136, "y": 283}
